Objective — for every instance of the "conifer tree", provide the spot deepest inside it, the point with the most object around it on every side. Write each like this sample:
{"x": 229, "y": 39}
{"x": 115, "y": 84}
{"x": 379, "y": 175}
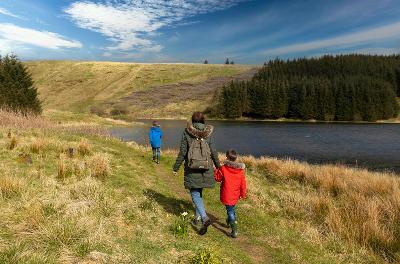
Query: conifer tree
{"x": 16, "y": 87}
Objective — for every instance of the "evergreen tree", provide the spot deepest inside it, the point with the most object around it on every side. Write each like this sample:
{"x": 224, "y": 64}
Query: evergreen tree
{"x": 16, "y": 87}
{"x": 227, "y": 61}
{"x": 206, "y": 62}
{"x": 397, "y": 74}
{"x": 345, "y": 88}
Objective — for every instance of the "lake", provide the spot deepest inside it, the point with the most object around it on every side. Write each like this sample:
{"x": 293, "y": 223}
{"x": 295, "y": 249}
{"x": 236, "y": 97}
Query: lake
{"x": 374, "y": 146}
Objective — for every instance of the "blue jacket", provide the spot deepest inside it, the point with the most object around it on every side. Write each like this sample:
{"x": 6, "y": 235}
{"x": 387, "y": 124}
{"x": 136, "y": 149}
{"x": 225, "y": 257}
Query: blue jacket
{"x": 155, "y": 136}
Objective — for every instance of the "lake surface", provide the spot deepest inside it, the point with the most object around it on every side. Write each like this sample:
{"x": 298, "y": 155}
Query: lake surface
{"x": 375, "y": 146}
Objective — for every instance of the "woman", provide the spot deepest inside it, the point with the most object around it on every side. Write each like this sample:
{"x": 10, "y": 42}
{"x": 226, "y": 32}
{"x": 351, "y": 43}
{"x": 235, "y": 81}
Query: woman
{"x": 198, "y": 151}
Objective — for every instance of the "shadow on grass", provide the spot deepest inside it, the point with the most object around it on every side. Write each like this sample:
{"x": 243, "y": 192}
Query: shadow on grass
{"x": 178, "y": 206}
{"x": 170, "y": 204}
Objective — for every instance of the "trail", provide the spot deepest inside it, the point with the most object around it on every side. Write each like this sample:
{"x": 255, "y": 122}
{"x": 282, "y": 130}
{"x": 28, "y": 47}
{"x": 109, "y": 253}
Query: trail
{"x": 242, "y": 241}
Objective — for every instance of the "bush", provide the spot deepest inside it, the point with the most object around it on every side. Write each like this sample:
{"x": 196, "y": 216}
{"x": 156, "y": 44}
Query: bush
{"x": 16, "y": 87}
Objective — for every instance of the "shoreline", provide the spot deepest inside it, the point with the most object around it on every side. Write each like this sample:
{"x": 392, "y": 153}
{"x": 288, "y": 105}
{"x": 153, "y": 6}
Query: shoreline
{"x": 397, "y": 121}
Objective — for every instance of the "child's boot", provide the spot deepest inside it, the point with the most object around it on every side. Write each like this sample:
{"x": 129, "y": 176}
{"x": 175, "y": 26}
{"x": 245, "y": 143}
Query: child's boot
{"x": 234, "y": 232}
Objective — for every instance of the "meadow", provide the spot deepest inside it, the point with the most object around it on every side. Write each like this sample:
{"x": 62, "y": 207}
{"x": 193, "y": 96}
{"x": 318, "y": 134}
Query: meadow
{"x": 69, "y": 193}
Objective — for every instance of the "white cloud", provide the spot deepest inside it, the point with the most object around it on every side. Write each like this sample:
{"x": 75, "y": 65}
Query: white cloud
{"x": 349, "y": 40}
{"x": 6, "y": 12}
{"x": 131, "y": 24}
{"x": 12, "y": 36}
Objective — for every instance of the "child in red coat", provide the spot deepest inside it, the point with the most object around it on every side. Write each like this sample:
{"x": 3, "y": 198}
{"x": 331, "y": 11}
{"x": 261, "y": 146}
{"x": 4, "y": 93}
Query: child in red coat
{"x": 233, "y": 186}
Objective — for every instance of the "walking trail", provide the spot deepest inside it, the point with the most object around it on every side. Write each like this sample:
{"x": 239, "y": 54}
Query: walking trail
{"x": 256, "y": 253}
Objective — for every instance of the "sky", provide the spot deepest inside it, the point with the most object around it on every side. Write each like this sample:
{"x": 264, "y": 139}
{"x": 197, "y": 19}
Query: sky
{"x": 246, "y": 31}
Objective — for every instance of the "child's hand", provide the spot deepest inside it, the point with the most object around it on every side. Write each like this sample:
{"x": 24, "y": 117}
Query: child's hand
{"x": 174, "y": 173}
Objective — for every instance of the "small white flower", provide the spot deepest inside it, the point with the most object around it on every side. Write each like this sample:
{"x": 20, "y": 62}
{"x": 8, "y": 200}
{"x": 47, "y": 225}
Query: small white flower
{"x": 184, "y": 214}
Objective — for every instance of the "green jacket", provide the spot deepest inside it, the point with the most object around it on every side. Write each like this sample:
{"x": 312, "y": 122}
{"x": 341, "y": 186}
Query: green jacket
{"x": 197, "y": 179}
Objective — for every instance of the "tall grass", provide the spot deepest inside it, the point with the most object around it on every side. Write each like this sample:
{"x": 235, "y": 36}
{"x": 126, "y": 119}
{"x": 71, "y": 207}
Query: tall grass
{"x": 361, "y": 206}
{"x": 18, "y": 121}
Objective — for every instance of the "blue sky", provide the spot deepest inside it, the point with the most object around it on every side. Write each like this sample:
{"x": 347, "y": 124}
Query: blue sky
{"x": 248, "y": 32}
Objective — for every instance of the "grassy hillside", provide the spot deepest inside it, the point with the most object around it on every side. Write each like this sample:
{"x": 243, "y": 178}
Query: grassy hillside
{"x": 106, "y": 202}
{"x": 77, "y": 86}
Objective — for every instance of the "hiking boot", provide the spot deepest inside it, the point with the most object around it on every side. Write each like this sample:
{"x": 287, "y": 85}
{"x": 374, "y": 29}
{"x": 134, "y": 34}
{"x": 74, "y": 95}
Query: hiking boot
{"x": 234, "y": 232}
{"x": 196, "y": 221}
{"x": 206, "y": 223}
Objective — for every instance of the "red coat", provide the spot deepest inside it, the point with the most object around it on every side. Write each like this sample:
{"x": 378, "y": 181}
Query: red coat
{"x": 233, "y": 182}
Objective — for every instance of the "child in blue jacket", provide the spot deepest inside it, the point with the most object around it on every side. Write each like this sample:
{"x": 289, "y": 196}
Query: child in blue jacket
{"x": 155, "y": 136}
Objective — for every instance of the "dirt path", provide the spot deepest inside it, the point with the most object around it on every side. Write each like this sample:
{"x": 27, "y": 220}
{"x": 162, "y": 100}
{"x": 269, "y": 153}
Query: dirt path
{"x": 256, "y": 253}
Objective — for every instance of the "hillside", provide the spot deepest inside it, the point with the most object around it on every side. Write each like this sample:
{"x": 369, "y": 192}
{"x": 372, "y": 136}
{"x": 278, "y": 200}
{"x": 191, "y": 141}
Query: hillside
{"x": 106, "y": 202}
{"x": 130, "y": 89}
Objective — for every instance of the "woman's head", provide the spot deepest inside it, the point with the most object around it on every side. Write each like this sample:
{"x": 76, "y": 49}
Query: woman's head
{"x": 198, "y": 117}
{"x": 155, "y": 123}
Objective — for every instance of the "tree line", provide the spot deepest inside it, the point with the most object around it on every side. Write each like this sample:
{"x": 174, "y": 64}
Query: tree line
{"x": 17, "y": 91}
{"x": 341, "y": 88}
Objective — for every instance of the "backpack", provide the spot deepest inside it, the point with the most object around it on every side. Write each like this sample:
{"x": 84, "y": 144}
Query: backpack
{"x": 199, "y": 154}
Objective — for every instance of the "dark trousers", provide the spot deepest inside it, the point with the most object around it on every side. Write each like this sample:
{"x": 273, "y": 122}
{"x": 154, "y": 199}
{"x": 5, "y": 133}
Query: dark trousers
{"x": 230, "y": 211}
{"x": 156, "y": 153}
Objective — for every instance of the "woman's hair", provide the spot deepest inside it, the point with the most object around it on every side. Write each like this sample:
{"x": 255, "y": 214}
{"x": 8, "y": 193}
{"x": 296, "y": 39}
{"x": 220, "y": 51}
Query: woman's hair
{"x": 231, "y": 155}
{"x": 155, "y": 123}
{"x": 198, "y": 117}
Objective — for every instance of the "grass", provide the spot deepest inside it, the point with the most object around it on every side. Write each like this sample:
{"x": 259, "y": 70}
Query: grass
{"x": 114, "y": 205}
{"x": 82, "y": 86}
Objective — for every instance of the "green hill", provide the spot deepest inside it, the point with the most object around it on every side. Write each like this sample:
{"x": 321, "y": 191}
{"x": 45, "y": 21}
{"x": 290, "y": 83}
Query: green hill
{"x": 129, "y": 89}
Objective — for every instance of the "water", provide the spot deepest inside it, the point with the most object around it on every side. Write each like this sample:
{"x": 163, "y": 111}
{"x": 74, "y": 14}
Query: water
{"x": 375, "y": 146}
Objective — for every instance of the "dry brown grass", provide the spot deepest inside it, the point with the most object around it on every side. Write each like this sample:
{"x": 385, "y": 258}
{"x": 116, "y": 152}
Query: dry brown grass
{"x": 17, "y": 121}
{"x": 84, "y": 147}
{"x": 361, "y": 206}
{"x": 100, "y": 166}
{"x": 13, "y": 142}
{"x": 9, "y": 187}
{"x": 38, "y": 145}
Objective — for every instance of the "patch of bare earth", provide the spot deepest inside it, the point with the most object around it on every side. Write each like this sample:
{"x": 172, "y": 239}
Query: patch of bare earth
{"x": 164, "y": 95}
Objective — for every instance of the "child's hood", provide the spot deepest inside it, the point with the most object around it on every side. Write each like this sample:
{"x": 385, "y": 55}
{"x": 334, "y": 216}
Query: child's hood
{"x": 234, "y": 167}
{"x": 156, "y": 128}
